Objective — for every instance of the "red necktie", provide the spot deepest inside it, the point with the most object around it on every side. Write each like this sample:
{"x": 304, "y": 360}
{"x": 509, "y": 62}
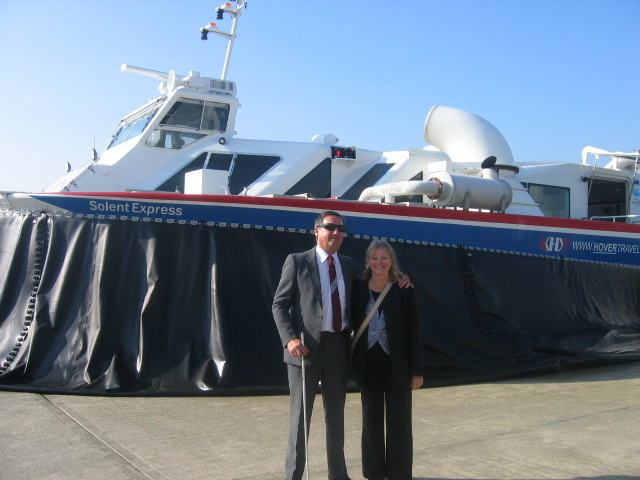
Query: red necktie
{"x": 335, "y": 296}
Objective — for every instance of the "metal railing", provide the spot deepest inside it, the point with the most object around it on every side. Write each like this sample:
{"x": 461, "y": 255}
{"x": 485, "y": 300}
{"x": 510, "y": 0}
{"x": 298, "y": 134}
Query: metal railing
{"x": 614, "y": 218}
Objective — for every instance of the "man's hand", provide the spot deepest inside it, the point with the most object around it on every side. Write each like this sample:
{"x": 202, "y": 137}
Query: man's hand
{"x": 416, "y": 382}
{"x": 405, "y": 282}
{"x": 297, "y": 348}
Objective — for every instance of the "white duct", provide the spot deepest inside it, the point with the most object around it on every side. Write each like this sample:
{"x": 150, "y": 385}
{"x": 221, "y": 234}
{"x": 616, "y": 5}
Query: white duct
{"x": 391, "y": 190}
{"x": 444, "y": 190}
{"x": 464, "y": 136}
{"x": 465, "y": 191}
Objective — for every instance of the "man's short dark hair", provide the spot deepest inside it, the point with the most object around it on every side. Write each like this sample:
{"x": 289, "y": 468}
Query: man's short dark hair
{"x": 327, "y": 213}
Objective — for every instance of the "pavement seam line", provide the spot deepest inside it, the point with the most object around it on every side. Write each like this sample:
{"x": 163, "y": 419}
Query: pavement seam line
{"x": 104, "y": 440}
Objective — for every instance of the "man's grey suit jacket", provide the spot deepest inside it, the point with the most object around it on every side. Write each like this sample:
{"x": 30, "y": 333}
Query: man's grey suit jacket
{"x": 297, "y": 304}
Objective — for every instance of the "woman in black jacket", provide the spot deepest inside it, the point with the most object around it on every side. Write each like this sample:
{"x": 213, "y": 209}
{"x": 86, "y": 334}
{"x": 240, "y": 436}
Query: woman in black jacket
{"x": 388, "y": 364}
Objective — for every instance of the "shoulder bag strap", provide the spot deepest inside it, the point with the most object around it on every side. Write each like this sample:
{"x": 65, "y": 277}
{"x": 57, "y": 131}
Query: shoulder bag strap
{"x": 369, "y": 316}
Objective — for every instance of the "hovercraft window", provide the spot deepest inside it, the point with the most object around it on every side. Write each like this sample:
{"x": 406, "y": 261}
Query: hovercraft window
{"x": 132, "y": 127}
{"x": 243, "y": 170}
{"x": 316, "y": 183}
{"x": 246, "y": 169}
{"x": 172, "y": 139}
{"x": 553, "y": 201}
{"x": 197, "y": 114}
{"x": 374, "y": 174}
{"x": 187, "y": 117}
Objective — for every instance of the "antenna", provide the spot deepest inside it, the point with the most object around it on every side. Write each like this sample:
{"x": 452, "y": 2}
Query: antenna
{"x": 235, "y": 12}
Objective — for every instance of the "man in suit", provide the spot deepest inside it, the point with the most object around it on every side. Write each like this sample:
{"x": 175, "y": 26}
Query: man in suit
{"x": 313, "y": 297}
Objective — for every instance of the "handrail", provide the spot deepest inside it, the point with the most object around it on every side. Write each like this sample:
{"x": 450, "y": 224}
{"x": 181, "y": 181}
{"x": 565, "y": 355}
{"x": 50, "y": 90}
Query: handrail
{"x": 612, "y": 217}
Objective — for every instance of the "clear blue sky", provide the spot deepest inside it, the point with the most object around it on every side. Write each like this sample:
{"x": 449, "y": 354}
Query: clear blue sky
{"x": 552, "y": 75}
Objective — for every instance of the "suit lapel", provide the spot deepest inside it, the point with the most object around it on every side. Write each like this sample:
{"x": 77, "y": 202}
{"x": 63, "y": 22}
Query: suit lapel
{"x": 314, "y": 274}
{"x": 347, "y": 274}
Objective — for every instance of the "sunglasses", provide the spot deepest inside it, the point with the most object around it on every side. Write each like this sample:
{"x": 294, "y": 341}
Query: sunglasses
{"x": 332, "y": 226}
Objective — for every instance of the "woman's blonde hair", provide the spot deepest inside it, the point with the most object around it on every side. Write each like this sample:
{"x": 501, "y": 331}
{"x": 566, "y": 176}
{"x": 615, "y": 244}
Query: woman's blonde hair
{"x": 394, "y": 270}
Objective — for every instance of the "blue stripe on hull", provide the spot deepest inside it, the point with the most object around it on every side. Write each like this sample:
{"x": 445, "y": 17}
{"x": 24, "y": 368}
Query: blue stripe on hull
{"x": 594, "y": 245}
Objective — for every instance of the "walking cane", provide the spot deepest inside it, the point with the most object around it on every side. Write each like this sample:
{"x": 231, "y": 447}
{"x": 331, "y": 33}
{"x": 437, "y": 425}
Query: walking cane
{"x": 304, "y": 412}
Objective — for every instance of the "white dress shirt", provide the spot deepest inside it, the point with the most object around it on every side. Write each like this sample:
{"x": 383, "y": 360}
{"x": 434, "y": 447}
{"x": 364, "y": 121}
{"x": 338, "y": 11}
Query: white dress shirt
{"x": 325, "y": 284}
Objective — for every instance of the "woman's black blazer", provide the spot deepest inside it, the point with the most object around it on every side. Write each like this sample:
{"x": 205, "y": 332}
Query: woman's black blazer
{"x": 403, "y": 332}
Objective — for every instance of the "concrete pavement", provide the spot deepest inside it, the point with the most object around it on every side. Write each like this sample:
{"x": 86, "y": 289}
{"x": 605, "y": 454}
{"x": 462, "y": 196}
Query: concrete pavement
{"x": 582, "y": 424}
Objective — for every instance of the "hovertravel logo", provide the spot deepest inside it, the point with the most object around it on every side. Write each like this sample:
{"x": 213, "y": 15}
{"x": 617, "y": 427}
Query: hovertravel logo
{"x": 560, "y": 244}
{"x": 554, "y": 244}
